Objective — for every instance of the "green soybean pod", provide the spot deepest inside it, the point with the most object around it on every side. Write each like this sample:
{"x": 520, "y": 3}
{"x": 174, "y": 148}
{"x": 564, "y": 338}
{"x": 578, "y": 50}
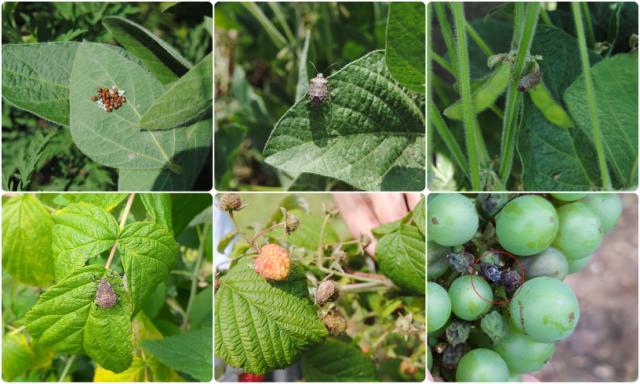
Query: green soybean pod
{"x": 485, "y": 95}
{"x": 551, "y": 109}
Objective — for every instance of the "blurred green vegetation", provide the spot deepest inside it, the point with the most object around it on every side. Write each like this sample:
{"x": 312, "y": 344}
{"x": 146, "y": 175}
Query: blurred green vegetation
{"x": 40, "y": 155}
{"x": 260, "y": 60}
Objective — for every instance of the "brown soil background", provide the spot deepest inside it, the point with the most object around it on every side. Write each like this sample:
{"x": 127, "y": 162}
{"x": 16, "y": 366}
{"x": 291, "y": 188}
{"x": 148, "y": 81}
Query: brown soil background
{"x": 604, "y": 346}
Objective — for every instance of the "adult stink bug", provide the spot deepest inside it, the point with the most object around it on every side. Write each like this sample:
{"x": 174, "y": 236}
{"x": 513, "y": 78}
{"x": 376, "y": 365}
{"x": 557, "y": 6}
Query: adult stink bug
{"x": 105, "y": 295}
{"x": 318, "y": 89}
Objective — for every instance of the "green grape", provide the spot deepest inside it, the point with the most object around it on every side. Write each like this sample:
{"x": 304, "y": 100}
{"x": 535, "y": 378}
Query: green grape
{"x": 437, "y": 263}
{"x": 438, "y": 307}
{"x": 429, "y": 358}
{"x": 468, "y": 303}
{"x": 482, "y": 365}
{"x": 607, "y": 206}
{"x": 527, "y": 225}
{"x": 568, "y": 196}
{"x": 581, "y": 231}
{"x": 515, "y": 377}
{"x": 550, "y": 262}
{"x": 523, "y": 354}
{"x": 577, "y": 264}
{"x": 453, "y": 219}
{"x": 546, "y": 309}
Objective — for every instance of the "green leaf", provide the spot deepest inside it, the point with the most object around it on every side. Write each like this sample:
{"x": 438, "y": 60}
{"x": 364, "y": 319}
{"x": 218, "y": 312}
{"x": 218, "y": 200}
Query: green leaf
{"x": 81, "y": 231}
{"x": 26, "y": 240}
{"x": 336, "y": 360}
{"x": 107, "y": 332}
{"x": 20, "y": 356}
{"x": 400, "y": 255}
{"x": 35, "y": 77}
{"x": 369, "y": 134}
{"x": 106, "y": 201}
{"x": 308, "y": 233}
{"x": 405, "y": 46}
{"x": 158, "y": 206}
{"x": 261, "y": 327}
{"x": 190, "y": 160}
{"x": 188, "y": 8}
{"x": 418, "y": 214}
{"x": 202, "y": 310}
{"x": 57, "y": 320}
{"x": 552, "y": 158}
{"x": 185, "y": 101}
{"x": 148, "y": 252}
{"x": 113, "y": 139}
{"x": 162, "y": 60}
{"x": 186, "y": 207}
{"x": 189, "y": 352}
{"x": 615, "y": 82}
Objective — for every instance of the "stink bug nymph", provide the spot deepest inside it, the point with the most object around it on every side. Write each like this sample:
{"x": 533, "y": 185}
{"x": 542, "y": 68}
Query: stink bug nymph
{"x": 105, "y": 295}
{"x": 318, "y": 89}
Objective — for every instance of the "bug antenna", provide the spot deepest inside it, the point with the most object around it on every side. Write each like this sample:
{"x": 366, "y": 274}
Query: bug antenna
{"x": 314, "y": 66}
{"x": 328, "y": 68}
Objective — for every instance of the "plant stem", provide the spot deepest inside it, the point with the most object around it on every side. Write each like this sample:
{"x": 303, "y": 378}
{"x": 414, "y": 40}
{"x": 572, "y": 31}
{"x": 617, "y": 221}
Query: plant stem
{"x": 545, "y": 17}
{"x": 442, "y": 62}
{"x": 16, "y": 330}
{"x": 194, "y": 275}
{"x": 67, "y": 366}
{"x": 464, "y": 81}
{"x": 591, "y": 39}
{"x": 438, "y": 122}
{"x": 591, "y": 97}
{"x": 278, "y": 40}
{"x": 478, "y": 40}
{"x": 123, "y": 219}
{"x": 363, "y": 287}
{"x": 509, "y": 122}
{"x": 320, "y": 255}
{"x": 384, "y": 280}
{"x": 249, "y": 241}
{"x": 447, "y": 35}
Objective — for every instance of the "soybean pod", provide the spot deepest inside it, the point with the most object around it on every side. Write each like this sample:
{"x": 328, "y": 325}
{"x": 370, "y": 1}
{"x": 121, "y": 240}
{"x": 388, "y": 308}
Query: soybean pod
{"x": 485, "y": 95}
{"x": 550, "y": 108}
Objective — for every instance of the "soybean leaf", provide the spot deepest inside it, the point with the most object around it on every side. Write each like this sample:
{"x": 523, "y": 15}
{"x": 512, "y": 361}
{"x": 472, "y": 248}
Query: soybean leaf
{"x": 615, "y": 82}
{"x": 113, "y": 139}
{"x": 189, "y": 352}
{"x": 162, "y": 60}
{"x": 405, "y": 45}
{"x": 107, "y": 332}
{"x": 158, "y": 206}
{"x": 336, "y": 360}
{"x": 552, "y": 158}
{"x": 35, "y": 77}
{"x": 106, "y": 201}
{"x": 81, "y": 231}
{"x": 259, "y": 326}
{"x": 185, "y": 101}
{"x": 308, "y": 233}
{"x": 26, "y": 240}
{"x": 401, "y": 257}
{"x": 148, "y": 252}
{"x": 57, "y": 320}
{"x": 190, "y": 160}
{"x": 369, "y": 134}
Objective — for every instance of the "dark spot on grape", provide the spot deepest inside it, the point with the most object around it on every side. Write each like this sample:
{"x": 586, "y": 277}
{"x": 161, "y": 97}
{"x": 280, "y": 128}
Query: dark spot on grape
{"x": 524, "y": 330}
{"x": 572, "y": 316}
{"x": 434, "y": 221}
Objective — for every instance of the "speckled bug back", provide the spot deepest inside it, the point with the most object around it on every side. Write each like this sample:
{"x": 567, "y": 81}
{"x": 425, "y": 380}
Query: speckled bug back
{"x": 105, "y": 295}
{"x": 318, "y": 90}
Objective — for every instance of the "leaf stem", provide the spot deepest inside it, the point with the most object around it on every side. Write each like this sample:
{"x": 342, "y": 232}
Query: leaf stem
{"x": 67, "y": 366}
{"x": 321, "y": 244}
{"x": 363, "y": 287}
{"x": 591, "y": 97}
{"x": 526, "y": 32}
{"x": 441, "y": 127}
{"x": 464, "y": 80}
{"x": 591, "y": 39}
{"x": 194, "y": 274}
{"x": 383, "y": 279}
{"x": 447, "y": 35}
{"x": 477, "y": 39}
{"x": 123, "y": 220}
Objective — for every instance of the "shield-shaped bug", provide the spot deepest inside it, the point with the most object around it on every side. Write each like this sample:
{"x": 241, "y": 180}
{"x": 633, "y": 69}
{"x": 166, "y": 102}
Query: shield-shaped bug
{"x": 318, "y": 89}
{"x": 105, "y": 295}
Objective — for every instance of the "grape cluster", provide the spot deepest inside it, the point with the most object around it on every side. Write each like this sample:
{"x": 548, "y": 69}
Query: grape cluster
{"x": 496, "y": 300}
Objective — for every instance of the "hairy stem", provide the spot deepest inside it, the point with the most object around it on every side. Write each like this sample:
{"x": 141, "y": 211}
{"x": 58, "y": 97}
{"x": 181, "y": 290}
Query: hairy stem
{"x": 321, "y": 245}
{"x": 452, "y": 145}
{"x": 194, "y": 274}
{"x": 591, "y": 97}
{"x": 123, "y": 219}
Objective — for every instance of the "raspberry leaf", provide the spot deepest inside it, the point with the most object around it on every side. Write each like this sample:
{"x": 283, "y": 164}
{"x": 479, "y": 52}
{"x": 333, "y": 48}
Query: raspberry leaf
{"x": 107, "y": 332}
{"x": 336, "y": 360}
{"x": 369, "y": 133}
{"x": 148, "y": 252}
{"x": 106, "y": 201}
{"x": 189, "y": 352}
{"x": 81, "y": 231}
{"x": 400, "y": 255}
{"x": 261, "y": 326}
{"x": 158, "y": 207}
{"x": 26, "y": 240}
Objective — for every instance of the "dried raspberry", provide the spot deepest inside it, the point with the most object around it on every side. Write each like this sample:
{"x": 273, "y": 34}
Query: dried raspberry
{"x": 335, "y": 322}
{"x": 291, "y": 223}
{"x": 250, "y": 378}
{"x": 327, "y": 291}
{"x": 273, "y": 263}
{"x": 230, "y": 202}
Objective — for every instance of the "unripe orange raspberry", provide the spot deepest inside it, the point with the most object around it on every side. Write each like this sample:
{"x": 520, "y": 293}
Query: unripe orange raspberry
{"x": 273, "y": 263}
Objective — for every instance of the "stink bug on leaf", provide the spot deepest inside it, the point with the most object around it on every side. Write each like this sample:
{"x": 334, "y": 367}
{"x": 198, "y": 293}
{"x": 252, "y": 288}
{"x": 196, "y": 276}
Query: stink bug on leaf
{"x": 105, "y": 295}
{"x": 318, "y": 89}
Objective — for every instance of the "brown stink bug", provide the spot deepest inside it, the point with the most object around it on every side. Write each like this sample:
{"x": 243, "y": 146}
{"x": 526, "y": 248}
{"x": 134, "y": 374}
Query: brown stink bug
{"x": 318, "y": 89}
{"x": 105, "y": 295}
